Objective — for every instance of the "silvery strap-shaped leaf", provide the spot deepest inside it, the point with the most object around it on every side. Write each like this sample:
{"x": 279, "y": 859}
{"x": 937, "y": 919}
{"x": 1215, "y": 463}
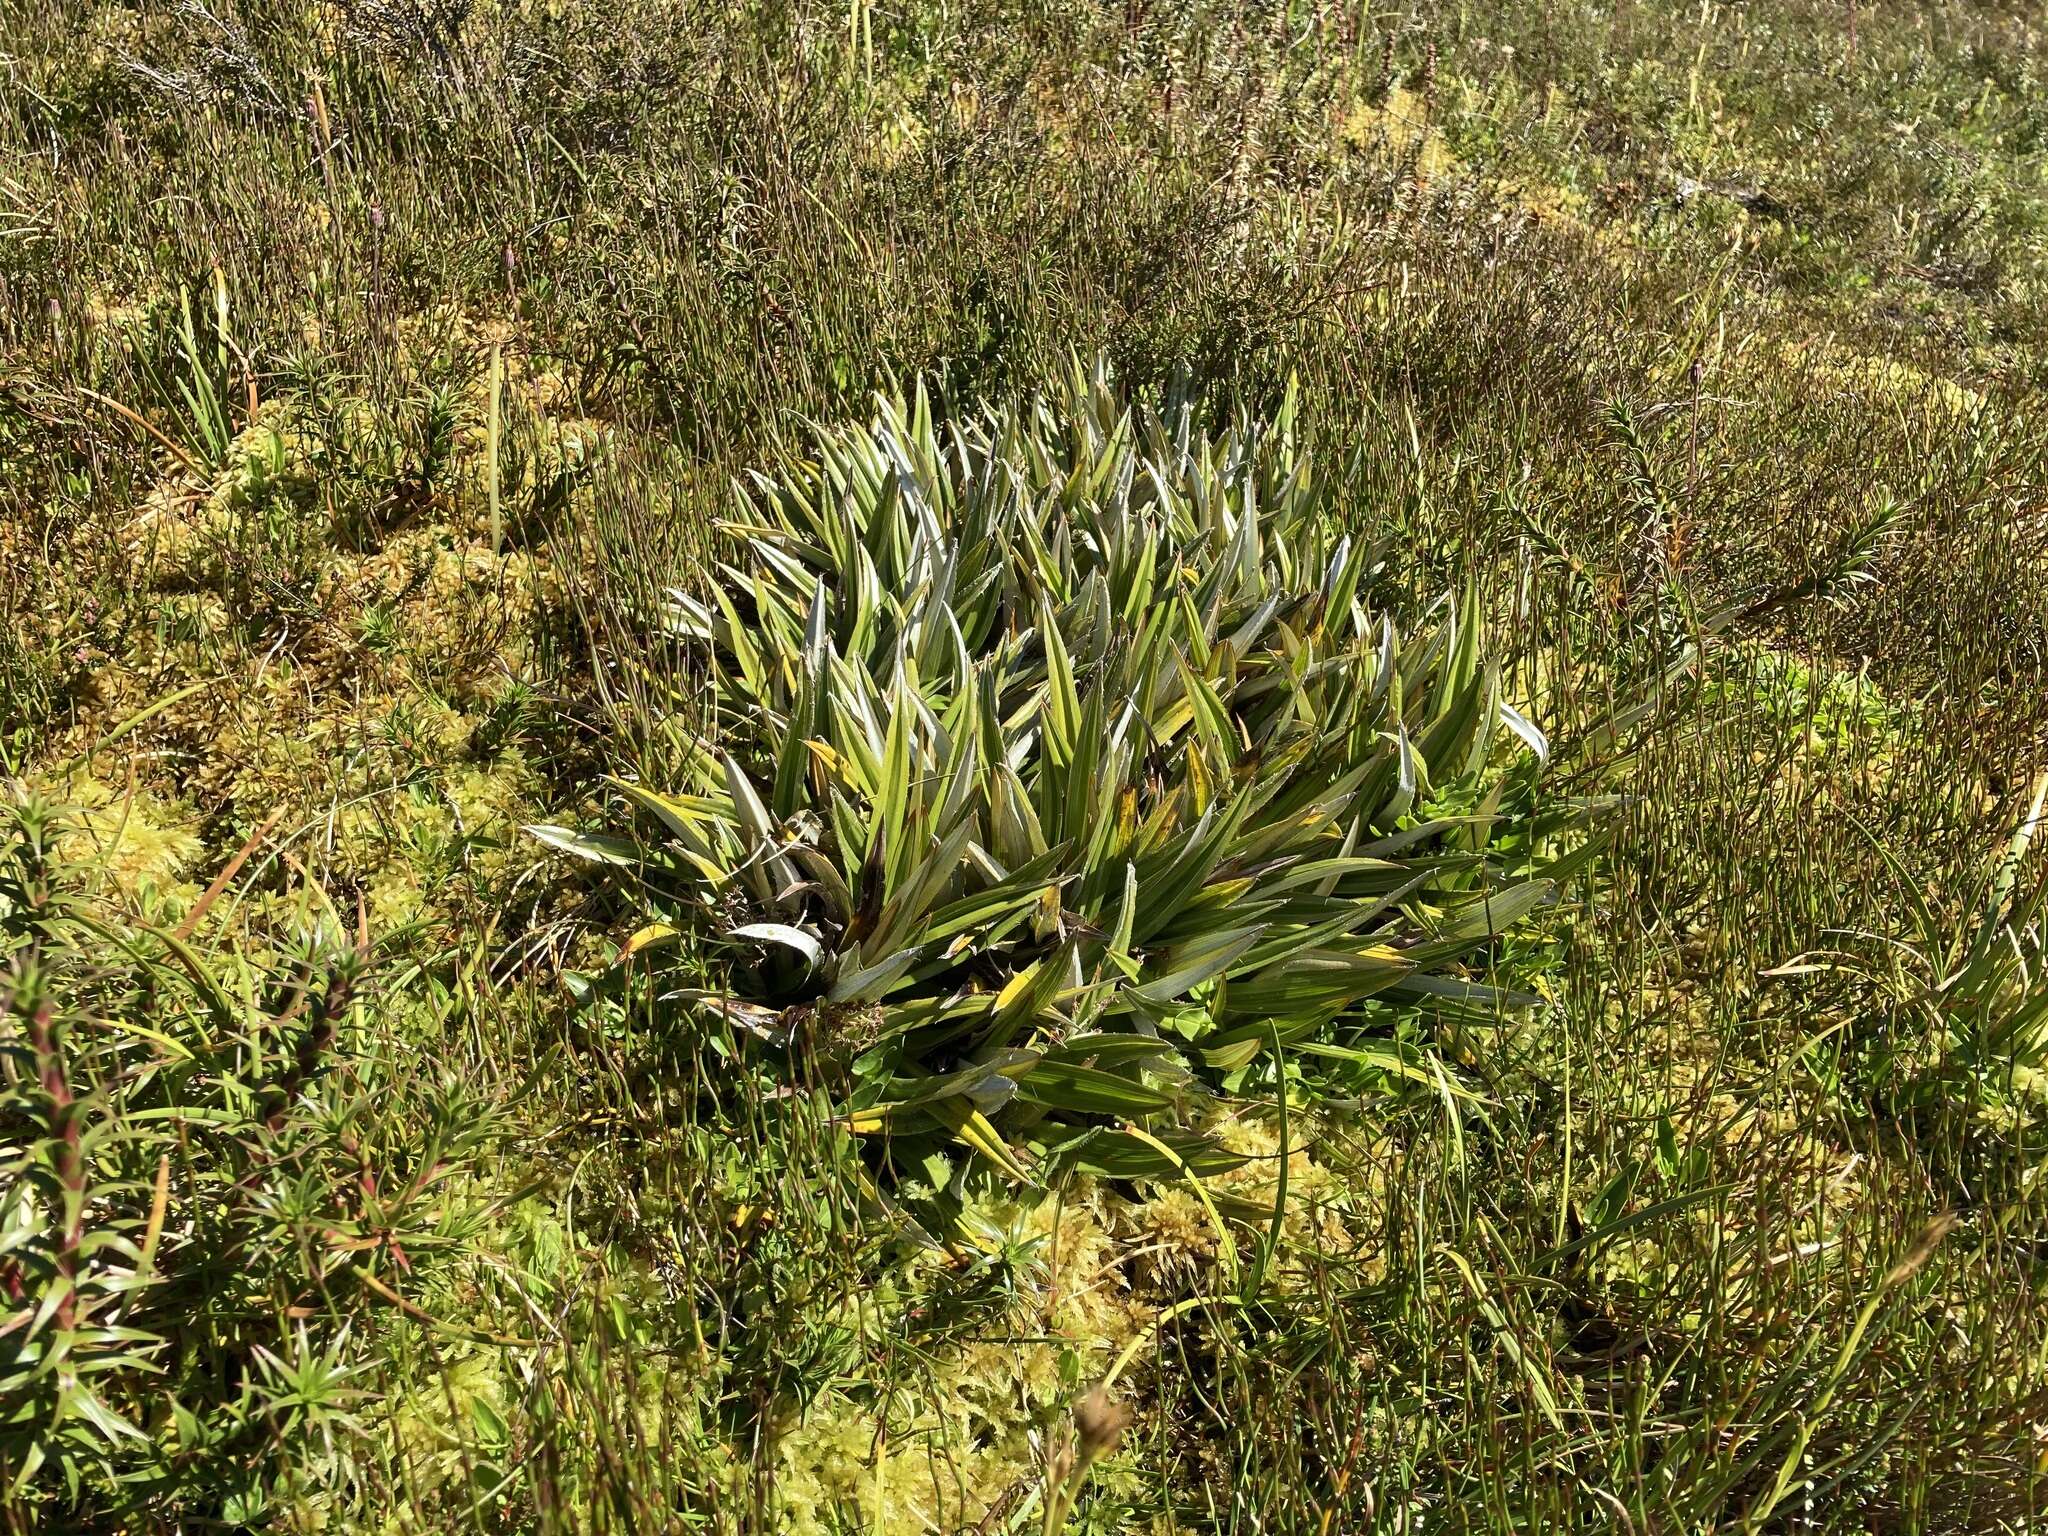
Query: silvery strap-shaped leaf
{"x": 796, "y": 939}
{"x": 1517, "y": 722}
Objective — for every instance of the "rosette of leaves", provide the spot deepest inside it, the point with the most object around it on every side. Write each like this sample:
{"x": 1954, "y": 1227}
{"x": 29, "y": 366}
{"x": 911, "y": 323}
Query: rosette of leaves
{"x": 1062, "y": 770}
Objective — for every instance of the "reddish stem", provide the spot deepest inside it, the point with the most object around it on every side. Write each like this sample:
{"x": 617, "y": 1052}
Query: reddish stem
{"x": 64, "y": 1120}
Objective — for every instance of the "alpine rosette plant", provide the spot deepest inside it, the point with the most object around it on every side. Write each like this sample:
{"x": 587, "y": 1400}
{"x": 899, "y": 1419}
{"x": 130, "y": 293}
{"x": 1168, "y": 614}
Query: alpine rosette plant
{"x": 1061, "y": 770}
